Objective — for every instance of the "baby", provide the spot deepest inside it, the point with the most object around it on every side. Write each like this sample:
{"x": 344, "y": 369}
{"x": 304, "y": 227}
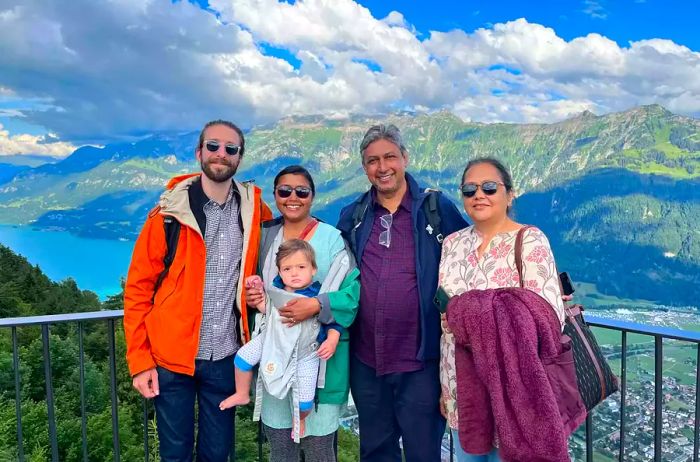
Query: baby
{"x": 296, "y": 264}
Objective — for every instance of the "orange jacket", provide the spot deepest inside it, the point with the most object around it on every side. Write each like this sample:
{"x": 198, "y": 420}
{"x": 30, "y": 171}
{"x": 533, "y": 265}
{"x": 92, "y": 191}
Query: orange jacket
{"x": 165, "y": 331}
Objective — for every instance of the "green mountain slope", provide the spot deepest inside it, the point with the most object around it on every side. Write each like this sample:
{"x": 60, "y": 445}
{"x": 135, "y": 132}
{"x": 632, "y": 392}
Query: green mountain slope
{"x": 104, "y": 192}
{"x": 634, "y": 236}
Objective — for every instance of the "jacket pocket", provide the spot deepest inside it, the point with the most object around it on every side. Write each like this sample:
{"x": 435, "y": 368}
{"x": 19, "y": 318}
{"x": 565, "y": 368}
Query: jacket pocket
{"x": 561, "y": 374}
{"x": 168, "y": 287}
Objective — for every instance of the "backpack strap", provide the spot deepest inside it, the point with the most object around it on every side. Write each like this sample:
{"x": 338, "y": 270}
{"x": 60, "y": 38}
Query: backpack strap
{"x": 357, "y": 214}
{"x": 430, "y": 207}
{"x": 172, "y": 235}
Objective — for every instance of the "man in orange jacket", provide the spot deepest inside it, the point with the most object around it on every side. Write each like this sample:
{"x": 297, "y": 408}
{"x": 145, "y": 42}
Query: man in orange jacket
{"x": 182, "y": 335}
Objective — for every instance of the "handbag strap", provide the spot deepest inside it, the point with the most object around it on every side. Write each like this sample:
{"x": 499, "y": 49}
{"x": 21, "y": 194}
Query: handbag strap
{"x": 519, "y": 262}
{"x": 309, "y": 227}
{"x": 519, "y": 253}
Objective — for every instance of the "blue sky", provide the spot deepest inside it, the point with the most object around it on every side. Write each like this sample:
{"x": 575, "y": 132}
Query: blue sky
{"x": 619, "y": 20}
{"x": 92, "y": 72}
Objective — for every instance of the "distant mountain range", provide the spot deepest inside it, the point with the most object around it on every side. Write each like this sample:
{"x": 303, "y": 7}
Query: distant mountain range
{"x": 618, "y": 195}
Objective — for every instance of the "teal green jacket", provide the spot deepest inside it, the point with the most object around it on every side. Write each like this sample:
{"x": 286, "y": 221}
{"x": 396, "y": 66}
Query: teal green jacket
{"x": 340, "y": 307}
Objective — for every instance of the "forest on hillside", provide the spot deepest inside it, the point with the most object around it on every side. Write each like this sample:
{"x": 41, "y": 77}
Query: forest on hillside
{"x": 26, "y": 291}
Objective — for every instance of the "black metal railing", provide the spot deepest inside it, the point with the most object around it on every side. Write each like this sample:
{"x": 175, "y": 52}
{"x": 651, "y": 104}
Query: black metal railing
{"x": 659, "y": 334}
{"x": 44, "y": 322}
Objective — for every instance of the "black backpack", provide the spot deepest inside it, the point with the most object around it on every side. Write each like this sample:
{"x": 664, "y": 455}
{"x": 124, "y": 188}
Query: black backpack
{"x": 430, "y": 208}
{"x": 172, "y": 234}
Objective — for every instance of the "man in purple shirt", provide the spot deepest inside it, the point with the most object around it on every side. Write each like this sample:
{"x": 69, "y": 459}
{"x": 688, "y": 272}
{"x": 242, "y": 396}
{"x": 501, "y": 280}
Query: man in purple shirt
{"x": 394, "y": 371}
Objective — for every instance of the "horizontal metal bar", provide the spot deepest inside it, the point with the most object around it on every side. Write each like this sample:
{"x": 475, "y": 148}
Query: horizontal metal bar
{"x": 645, "y": 329}
{"x": 596, "y": 321}
{"x": 59, "y": 318}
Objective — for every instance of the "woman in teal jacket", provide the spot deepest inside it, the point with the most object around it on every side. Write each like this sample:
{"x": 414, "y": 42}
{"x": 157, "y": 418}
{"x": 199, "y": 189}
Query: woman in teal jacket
{"x": 294, "y": 192}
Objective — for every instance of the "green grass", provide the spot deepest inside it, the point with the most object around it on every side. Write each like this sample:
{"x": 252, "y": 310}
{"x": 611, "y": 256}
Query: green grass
{"x": 675, "y": 364}
{"x": 151, "y": 166}
{"x": 588, "y": 295}
{"x": 678, "y": 405}
{"x": 632, "y": 153}
{"x": 659, "y": 169}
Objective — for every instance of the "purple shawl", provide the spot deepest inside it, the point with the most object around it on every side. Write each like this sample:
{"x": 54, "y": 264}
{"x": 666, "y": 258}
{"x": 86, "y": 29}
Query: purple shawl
{"x": 515, "y": 375}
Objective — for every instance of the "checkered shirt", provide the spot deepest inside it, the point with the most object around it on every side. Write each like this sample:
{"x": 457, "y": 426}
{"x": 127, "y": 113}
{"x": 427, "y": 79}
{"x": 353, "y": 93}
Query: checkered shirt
{"x": 223, "y": 238}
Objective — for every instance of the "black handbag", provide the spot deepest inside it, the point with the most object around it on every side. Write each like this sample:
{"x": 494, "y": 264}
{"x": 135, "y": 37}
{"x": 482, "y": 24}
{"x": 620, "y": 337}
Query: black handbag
{"x": 594, "y": 377}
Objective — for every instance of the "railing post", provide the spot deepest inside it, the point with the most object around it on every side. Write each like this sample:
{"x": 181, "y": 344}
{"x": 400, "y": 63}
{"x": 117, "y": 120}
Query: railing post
{"x": 589, "y": 438}
{"x": 658, "y": 395}
{"x": 49, "y": 392}
{"x": 18, "y": 395}
{"x": 623, "y": 395}
{"x": 113, "y": 388}
{"x": 335, "y": 444}
{"x": 232, "y": 452}
{"x": 696, "y": 443}
{"x": 146, "y": 450}
{"x": 83, "y": 415}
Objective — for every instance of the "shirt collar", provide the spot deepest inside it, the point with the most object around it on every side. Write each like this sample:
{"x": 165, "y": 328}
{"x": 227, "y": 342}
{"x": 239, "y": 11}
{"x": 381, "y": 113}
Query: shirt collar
{"x": 405, "y": 200}
{"x": 199, "y": 199}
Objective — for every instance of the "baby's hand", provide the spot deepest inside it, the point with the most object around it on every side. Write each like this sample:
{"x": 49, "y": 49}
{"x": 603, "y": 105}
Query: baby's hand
{"x": 254, "y": 293}
{"x": 327, "y": 348}
{"x": 253, "y": 282}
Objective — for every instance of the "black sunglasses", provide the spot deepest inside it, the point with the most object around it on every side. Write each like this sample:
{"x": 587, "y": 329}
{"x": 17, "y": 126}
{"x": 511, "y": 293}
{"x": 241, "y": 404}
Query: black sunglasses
{"x": 488, "y": 187}
{"x": 231, "y": 149}
{"x": 285, "y": 191}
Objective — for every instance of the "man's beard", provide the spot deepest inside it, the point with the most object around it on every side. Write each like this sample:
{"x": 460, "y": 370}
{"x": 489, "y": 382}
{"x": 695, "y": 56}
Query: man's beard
{"x": 219, "y": 176}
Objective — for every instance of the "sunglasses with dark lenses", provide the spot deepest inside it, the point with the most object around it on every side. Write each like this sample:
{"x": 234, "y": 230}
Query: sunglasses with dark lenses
{"x": 488, "y": 187}
{"x": 285, "y": 191}
{"x": 231, "y": 149}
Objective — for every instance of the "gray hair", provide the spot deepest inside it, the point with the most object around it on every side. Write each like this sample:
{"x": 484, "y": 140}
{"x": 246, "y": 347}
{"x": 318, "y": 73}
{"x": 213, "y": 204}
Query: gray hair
{"x": 390, "y": 132}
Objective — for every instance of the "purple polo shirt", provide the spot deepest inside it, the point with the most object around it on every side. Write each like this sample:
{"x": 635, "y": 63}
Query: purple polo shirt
{"x": 386, "y": 333}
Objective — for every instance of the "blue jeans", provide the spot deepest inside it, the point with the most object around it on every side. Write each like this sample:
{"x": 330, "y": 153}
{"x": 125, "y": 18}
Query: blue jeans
{"x": 212, "y": 383}
{"x": 401, "y": 405}
{"x": 462, "y": 456}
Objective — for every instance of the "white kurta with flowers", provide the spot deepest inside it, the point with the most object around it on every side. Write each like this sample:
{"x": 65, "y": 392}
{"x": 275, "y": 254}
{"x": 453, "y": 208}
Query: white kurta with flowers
{"x": 461, "y": 270}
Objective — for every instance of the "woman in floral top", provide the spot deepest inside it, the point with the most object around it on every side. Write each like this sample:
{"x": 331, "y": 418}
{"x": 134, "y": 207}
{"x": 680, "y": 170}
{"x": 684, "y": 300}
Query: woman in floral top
{"x": 481, "y": 257}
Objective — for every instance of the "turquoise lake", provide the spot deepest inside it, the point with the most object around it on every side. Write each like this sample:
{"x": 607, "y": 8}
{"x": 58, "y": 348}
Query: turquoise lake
{"x": 95, "y": 264}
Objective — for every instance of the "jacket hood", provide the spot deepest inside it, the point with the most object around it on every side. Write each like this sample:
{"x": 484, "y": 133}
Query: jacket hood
{"x": 175, "y": 201}
{"x": 177, "y": 179}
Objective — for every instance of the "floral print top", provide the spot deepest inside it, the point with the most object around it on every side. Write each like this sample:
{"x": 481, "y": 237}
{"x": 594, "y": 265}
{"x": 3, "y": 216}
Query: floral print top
{"x": 461, "y": 269}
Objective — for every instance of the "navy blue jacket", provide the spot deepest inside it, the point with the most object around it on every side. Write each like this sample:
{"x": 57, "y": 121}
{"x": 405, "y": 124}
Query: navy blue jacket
{"x": 428, "y": 250}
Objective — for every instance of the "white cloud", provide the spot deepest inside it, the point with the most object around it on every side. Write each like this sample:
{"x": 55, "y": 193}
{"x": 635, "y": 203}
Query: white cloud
{"x": 31, "y": 144}
{"x": 540, "y": 76}
{"x": 594, "y": 9}
{"x": 104, "y": 69}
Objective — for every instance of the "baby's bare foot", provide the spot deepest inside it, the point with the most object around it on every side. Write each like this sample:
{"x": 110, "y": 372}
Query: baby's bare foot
{"x": 302, "y": 430}
{"x": 236, "y": 399}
